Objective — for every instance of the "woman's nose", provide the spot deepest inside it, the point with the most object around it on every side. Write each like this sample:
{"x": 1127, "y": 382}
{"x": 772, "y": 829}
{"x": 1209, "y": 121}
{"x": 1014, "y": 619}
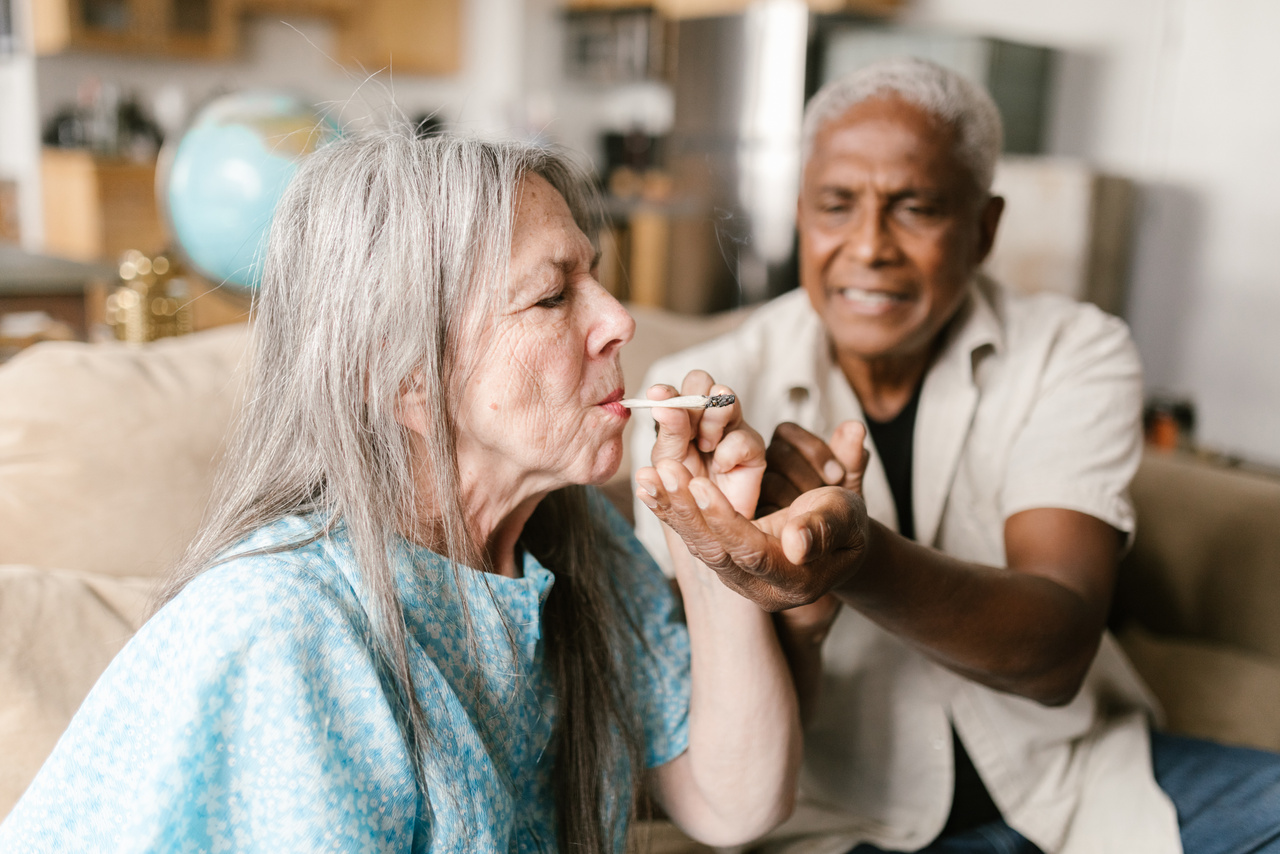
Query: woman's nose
{"x": 611, "y": 325}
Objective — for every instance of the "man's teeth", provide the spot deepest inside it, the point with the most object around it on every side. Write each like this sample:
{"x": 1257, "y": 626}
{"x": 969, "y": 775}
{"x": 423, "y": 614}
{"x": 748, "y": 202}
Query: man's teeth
{"x": 868, "y": 297}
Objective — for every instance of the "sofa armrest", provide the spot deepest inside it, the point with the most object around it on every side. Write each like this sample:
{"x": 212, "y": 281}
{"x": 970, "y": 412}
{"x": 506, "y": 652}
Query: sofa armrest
{"x": 1206, "y": 559}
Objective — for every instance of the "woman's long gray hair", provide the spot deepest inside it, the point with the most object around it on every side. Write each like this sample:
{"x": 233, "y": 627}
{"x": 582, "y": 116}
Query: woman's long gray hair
{"x": 387, "y": 255}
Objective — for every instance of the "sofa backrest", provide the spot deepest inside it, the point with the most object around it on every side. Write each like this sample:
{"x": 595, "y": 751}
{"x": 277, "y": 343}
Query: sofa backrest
{"x": 107, "y": 451}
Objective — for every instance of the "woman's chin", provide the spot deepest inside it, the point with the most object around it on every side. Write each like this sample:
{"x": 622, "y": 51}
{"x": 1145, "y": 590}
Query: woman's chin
{"x": 606, "y": 464}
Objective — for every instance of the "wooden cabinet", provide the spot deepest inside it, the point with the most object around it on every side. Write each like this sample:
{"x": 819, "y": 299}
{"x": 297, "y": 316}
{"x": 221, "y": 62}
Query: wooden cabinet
{"x": 182, "y": 28}
{"x": 95, "y": 208}
{"x": 403, "y": 36}
{"x": 410, "y": 36}
{"x": 299, "y": 7}
{"x": 676, "y": 9}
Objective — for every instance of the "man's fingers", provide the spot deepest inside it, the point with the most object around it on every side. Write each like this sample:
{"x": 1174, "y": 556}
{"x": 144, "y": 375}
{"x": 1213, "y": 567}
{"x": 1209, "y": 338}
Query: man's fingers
{"x": 786, "y": 461}
{"x": 776, "y": 492}
{"x": 822, "y": 523}
{"x": 804, "y": 452}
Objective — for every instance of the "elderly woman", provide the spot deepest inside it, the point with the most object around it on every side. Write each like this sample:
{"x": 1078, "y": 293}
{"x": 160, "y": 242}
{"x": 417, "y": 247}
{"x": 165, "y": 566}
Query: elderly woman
{"x": 406, "y": 624}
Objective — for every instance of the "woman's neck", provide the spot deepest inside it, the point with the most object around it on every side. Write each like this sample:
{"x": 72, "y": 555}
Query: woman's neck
{"x": 495, "y": 519}
{"x": 497, "y": 501}
{"x": 498, "y": 538}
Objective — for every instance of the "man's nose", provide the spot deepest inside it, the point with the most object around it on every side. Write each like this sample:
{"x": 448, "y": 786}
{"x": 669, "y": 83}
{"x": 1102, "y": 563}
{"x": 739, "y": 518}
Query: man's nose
{"x": 871, "y": 240}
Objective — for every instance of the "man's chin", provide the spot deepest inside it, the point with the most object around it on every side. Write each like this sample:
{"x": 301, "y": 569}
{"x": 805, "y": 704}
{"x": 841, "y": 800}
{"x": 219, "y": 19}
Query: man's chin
{"x": 871, "y": 342}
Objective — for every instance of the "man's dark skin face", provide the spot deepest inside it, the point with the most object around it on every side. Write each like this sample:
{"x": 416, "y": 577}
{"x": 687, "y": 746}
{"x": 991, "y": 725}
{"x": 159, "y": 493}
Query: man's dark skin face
{"x": 891, "y": 227}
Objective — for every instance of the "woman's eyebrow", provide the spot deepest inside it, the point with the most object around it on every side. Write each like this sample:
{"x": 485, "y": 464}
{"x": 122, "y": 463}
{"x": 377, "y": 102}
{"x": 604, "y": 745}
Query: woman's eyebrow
{"x": 567, "y": 259}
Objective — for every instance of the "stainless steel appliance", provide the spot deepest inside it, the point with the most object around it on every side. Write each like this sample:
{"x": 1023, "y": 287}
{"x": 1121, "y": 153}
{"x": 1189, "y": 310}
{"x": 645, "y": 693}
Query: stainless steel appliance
{"x": 740, "y": 83}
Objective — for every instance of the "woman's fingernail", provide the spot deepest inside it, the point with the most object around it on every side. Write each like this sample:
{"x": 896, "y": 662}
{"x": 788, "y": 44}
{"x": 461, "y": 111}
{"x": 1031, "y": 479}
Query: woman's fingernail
{"x": 705, "y": 446}
{"x": 701, "y": 496}
{"x": 668, "y": 480}
{"x": 647, "y": 497}
{"x": 833, "y": 472}
{"x": 649, "y": 489}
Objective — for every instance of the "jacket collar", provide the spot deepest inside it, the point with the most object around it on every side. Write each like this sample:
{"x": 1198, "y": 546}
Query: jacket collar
{"x": 947, "y": 403}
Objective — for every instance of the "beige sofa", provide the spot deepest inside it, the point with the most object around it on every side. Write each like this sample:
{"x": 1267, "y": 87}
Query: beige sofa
{"x": 106, "y": 456}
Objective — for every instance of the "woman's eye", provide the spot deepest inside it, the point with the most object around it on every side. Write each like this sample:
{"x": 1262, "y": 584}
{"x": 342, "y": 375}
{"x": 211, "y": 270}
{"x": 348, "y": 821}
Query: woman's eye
{"x": 554, "y": 301}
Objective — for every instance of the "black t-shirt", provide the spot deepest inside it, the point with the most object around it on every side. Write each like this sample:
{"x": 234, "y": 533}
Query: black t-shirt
{"x": 971, "y": 803}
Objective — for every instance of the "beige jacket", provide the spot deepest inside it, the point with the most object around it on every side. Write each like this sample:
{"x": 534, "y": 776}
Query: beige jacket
{"x": 1033, "y": 402}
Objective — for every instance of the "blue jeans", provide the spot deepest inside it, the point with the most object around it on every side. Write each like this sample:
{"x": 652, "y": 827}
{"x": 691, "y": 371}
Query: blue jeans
{"x": 1228, "y": 802}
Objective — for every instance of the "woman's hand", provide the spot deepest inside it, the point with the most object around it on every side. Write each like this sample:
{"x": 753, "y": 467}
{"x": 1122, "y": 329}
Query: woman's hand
{"x": 714, "y": 443}
{"x": 737, "y": 779}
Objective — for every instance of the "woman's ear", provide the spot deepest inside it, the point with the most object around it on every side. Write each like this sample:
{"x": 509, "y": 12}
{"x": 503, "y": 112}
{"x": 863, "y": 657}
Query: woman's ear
{"x": 411, "y": 406}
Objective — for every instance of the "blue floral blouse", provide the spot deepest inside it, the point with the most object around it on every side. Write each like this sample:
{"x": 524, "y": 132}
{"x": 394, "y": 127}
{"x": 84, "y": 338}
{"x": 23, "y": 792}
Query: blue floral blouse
{"x": 249, "y": 714}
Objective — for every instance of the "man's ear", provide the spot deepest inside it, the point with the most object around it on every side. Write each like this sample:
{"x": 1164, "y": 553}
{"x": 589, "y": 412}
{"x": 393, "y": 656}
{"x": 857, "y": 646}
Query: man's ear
{"x": 988, "y": 222}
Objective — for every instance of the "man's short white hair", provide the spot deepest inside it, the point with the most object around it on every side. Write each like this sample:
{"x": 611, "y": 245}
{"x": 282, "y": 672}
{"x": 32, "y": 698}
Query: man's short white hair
{"x": 942, "y": 93}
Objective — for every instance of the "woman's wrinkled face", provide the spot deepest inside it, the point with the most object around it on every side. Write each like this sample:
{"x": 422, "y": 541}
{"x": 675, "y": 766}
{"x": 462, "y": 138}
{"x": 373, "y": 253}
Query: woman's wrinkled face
{"x": 542, "y": 405}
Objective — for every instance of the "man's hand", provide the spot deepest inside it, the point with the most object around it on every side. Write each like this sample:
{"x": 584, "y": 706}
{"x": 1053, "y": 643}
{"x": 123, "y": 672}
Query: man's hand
{"x": 798, "y": 461}
{"x": 792, "y": 557}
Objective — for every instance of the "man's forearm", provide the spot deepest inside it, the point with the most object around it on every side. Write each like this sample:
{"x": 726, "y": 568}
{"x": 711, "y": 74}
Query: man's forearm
{"x": 1014, "y": 631}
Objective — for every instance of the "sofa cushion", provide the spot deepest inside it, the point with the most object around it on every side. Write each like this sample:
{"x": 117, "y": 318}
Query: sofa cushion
{"x": 1209, "y": 690}
{"x": 106, "y": 450}
{"x": 58, "y": 631}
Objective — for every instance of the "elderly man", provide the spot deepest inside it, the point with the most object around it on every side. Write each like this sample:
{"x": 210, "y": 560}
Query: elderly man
{"x": 970, "y": 698}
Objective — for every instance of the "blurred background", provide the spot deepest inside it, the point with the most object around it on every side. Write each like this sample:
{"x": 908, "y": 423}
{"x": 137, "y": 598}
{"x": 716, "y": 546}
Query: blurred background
{"x": 1140, "y": 157}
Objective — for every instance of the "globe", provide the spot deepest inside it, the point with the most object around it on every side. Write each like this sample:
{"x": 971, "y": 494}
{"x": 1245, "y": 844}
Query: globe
{"x": 219, "y": 185}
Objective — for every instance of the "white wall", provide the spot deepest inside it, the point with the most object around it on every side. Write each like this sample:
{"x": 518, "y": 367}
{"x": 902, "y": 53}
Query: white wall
{"x": 1184, "y": 96}
{"x": 19, "y": 145}
{"x": 19, "y": 152}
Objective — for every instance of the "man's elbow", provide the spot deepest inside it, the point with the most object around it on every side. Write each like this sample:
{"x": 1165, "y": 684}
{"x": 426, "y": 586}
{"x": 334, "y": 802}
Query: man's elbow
{"x": 1058, "y": 692}
{"x": 1057, "y": 685}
